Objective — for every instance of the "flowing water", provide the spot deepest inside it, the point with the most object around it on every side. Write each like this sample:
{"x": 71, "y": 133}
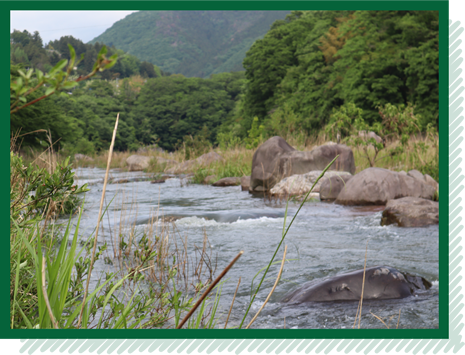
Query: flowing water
{"x": 325, "y": 240}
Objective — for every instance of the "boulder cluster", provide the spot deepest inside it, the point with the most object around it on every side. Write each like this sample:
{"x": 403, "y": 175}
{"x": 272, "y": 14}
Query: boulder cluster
{"x": 281, "y": 170}
{"x": 278, "y": 169}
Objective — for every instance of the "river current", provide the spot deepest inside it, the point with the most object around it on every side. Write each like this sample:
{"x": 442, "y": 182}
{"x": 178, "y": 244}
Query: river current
{"x": 325, "y": 240}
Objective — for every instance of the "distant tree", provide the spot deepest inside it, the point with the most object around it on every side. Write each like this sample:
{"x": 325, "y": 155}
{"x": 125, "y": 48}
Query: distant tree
{"x": 147, "y": 70}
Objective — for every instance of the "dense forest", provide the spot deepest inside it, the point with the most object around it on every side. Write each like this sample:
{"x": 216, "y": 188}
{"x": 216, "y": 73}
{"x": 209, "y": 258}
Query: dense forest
{"x": 305, "y": 67}
{"x": 192, "y": 43}
{"x": 29, "y": 50}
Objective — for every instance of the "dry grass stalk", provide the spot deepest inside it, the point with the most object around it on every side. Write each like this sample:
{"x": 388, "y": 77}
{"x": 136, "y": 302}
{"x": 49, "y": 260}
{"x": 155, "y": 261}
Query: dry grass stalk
{"x": 232, "y": 303}
{"x": 98, "y": 221}
{"x": 272, "y": 290}
{"x": 374, "y": 315}
{"x": 398, "y": 319}
{"x": 205, "y": 294}
{"x": 359, "y": 314}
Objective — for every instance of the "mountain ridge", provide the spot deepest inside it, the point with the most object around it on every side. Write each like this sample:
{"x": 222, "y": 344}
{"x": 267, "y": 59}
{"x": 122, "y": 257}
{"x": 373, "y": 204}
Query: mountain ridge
{"x": 192, "y": 43}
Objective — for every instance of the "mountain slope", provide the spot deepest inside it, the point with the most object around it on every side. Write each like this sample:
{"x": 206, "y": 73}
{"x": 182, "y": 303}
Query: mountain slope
{"x": 192, "y": 43}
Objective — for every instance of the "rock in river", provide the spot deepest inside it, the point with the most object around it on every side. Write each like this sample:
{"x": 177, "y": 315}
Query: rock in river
{"x": 411, "y": 212}
{"x": 331, "y": 187}
{"x": 276, "y": 159}
{"x": 376, "y": 186}
{"x": 228, "y": 181}
{"x": 381, "y": 283}
{"x": 297, "y": 185}
{"x": 138, "y": 162}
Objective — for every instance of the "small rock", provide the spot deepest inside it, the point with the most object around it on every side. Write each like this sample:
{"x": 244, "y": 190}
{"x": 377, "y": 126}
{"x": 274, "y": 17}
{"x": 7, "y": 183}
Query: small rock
{"x": 245, "y": 183}
{"x": 228, "y": 181}
{"x": 82, "y": 157}
{"x": 210, "y": 179}
{"x": 158, "y": 181}
{"x": 138, "y": 162}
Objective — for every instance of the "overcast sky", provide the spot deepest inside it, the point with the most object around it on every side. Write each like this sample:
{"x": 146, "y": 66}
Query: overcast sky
{"x": 84, "y": 25}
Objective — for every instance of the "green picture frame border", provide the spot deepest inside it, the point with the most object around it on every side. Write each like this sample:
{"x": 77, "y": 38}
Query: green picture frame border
{"x": 187, "y": 335}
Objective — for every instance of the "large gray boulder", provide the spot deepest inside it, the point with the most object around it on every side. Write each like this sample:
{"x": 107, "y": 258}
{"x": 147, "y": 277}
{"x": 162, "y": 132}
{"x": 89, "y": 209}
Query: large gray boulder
{"x": 332, "y": 186}
{"x": 427, "y": 179}
{"x": 376, "y": 186}
{"x": 411, "y": 212}
{"x": 276, "y": 159}
{"x": 138, "y": 162}
{"x": 300, "y": 184}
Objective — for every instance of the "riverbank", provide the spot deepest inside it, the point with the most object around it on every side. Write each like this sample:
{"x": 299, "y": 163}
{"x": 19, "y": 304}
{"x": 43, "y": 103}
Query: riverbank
{"x": 419, "y": 152}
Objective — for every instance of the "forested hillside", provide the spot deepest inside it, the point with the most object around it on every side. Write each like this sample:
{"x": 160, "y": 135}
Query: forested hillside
{"x": 29, "y": 50}
{"x": 308, "y": 68}
{"x": 192, "y": 43}
{"x": 317, "y": 61}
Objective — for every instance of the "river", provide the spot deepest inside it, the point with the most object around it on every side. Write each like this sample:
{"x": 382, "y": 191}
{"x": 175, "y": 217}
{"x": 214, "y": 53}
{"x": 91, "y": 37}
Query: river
{"x": 325, "y": 240}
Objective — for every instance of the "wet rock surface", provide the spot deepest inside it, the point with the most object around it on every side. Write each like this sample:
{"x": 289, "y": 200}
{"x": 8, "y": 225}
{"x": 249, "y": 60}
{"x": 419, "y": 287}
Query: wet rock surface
{"x": 411, "y": 212}
{"x": 381, "y": 283}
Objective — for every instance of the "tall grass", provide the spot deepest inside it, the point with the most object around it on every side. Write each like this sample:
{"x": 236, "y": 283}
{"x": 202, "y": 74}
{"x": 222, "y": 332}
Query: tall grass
{"x": 47, "y": 277}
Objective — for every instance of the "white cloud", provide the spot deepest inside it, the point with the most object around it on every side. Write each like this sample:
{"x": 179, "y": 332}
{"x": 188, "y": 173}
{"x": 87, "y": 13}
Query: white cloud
{"x": 84, "y": 25}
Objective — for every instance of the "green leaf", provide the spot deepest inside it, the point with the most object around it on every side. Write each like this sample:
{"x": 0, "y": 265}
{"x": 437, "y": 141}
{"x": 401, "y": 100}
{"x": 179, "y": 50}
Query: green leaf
{"x": 103, "y": 51}
{"x": 59, "y": 66}
{"x": 19, "y": 83}
{"x": 72, "y": 52}
{"x": 39, "y": 74}
{"x": 29, "y": 73}
{"x": 69, "y": 85}
{"x": 49, "y": 91}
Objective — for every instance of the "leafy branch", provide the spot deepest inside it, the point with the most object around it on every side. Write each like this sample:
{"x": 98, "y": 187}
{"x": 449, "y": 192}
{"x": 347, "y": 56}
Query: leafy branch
{"x": 58, "y": 78}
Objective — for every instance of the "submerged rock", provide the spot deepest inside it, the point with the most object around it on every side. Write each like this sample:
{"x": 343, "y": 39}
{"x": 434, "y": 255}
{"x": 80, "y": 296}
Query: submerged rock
{"x": 381, "y": 283}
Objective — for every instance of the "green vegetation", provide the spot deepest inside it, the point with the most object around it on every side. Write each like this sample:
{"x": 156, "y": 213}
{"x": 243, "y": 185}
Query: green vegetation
{"x": 28, "y": 49}
{"x": 47, "y": 278}
{"x": 315, "y": 61}
{"x": 192, "y": 43}
{"x": 307, "y": 68}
